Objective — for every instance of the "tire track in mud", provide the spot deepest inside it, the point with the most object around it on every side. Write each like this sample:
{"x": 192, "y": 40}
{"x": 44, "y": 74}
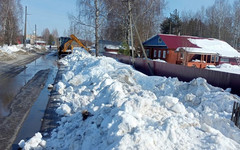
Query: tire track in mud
{"x": 10, "y": 125}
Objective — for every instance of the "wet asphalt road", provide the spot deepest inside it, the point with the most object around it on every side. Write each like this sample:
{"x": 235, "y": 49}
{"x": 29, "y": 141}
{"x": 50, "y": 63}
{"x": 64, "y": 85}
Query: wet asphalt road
{"x": 20, "y": 87}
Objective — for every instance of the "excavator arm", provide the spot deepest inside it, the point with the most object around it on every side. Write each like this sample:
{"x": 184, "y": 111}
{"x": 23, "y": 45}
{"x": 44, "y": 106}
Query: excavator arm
{"x": 74, "y": 38}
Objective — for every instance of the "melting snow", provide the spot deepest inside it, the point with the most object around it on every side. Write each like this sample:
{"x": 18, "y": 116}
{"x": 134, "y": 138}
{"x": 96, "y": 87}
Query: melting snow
{"x": 226, "y": 68}
{"x": 133, "y": 111}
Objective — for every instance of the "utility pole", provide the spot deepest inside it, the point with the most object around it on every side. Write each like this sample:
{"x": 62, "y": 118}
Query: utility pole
{"x": 131, "y": 31}
{"x": 25, "y": 27}
{"x": 96, "y": 27}
{"x": 143, "y": 50}
{"x": 35, "y": 35}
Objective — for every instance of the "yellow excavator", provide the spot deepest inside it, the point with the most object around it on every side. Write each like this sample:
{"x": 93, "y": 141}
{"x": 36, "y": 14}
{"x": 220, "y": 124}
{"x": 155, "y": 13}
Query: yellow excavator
{"x": 66, "y": 47}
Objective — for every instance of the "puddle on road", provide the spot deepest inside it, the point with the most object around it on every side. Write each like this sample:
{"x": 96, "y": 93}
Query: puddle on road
{"x": 33, "y": 122}
{"x": 11, "y": 86}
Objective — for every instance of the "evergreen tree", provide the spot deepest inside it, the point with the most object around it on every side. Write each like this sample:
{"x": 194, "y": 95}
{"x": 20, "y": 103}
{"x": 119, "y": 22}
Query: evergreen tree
{"x": 172, "y": 24}
{"x": 51, "y": 40}
{"x": 165, "y": 26}
{"x": 124, "y": 49}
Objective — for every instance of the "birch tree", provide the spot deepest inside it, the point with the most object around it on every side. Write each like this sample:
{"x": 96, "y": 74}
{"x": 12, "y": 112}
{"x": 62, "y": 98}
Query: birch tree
{"x": 46, "y": 34}
{"x": 236, "y": 23}
{"x": 217, "y": 14}
{"x": 90, "y": 17}
{"x": 10, "y": 16}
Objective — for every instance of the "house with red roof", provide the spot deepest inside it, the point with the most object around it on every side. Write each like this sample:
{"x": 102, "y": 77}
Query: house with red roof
{"x": 190, "y": 51}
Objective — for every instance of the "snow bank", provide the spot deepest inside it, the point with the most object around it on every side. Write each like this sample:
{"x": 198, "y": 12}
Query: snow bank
{"x": 11, "y": 49}
{"x": 160, "y": 60}
{"x": 130, "y": 110}
{"x": 226, "y": 68}
{"x": 36, "y": 142}
{"x": 12, "y": 52}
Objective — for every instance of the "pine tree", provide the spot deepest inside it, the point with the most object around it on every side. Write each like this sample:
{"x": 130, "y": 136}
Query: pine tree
{"x": 172, "y": 24}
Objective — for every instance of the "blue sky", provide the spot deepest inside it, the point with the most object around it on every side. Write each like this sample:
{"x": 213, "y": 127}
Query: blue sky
{"x": 53, "y": 14}
{"x": 186, "y": 5}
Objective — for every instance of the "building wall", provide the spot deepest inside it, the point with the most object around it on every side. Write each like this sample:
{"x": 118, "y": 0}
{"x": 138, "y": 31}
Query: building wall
{"x": 172, "y": 57}
{"x": 168, "y": 55}
{"x": 231, "y": 61}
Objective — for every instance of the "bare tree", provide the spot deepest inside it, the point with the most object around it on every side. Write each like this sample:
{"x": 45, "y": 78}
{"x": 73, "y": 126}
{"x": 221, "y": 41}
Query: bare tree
{"x": 10, "y": 16}
{"x": 217, "y": 15}
{"x": 90, "y": 17}
{"x": 236, "y": 23}
{"x": 46, "y": 34}
{"x": 55, "y": 36}
{"x": 147, "y": 16}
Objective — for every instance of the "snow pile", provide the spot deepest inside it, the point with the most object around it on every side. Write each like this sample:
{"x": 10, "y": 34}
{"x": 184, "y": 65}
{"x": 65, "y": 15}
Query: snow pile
{"x": 9, "y": 52}
{"x": 12, "y": 52}
{"x": 36, "y": 142}
{"x": 160, "y": 60}
{"x": 214, "y": 45}
{"x": 227, "y": 68}
{"x": 34, "y": 48}
{"x": 11, "y": 49}
{"x": 129, "y": 110}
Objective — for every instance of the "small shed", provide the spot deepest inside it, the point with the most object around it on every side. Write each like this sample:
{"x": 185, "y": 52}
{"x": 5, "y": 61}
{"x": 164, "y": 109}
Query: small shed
{"x": 104, "y": 43}
{"x": 114, "y": 49}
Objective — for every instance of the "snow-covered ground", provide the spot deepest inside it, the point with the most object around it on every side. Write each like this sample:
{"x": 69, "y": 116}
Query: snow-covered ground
{"x": 226, "y": 68}
{"x": 12, "y": 52}
{"x": 129, "y": 110}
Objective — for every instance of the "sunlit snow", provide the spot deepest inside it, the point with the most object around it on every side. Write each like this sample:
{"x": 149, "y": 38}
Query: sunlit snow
{"x": 130, "y": 110}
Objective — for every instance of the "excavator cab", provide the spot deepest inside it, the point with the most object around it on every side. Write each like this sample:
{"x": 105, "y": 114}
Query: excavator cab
{"x": 66, "y": 48}
{"x": 62, "y": 42}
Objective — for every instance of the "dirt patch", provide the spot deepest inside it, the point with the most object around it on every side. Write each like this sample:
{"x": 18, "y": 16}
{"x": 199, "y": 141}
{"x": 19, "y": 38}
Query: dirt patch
{"x": 10, "y": 125}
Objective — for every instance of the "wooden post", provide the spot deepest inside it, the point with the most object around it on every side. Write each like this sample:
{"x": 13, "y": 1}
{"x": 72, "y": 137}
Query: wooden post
{"x": 25, "y": 28}
{"x": 236, "y": 114}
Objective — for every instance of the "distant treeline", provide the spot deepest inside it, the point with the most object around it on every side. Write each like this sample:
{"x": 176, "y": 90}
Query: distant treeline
{"x": 221, "y": 21}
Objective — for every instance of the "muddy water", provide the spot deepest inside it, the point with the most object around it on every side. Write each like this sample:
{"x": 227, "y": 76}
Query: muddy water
{"x": 11, "y": 86}
{"x": 32, "y": 124}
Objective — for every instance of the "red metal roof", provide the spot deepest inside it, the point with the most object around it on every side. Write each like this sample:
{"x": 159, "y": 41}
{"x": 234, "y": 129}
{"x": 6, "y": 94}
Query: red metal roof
{"x": 174, "y": 41}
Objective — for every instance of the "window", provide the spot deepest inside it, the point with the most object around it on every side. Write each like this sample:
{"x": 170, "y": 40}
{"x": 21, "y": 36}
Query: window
{"x": 181, "y": 55}
{"x": 164, "y": 54}
{"x": 212, "y": 58}
{"x": 159, "y": 40}
{"x": 225, "y": 60}
{"x": 159, "y": 54}
{"x": 155, "y": 54}
{"x": 147, "y": 52}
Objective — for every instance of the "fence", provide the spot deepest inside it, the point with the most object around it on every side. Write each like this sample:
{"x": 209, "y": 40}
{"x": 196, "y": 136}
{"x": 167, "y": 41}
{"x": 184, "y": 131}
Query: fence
{"x": 236, "y": 114}
{"x": 183, "y": 73}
